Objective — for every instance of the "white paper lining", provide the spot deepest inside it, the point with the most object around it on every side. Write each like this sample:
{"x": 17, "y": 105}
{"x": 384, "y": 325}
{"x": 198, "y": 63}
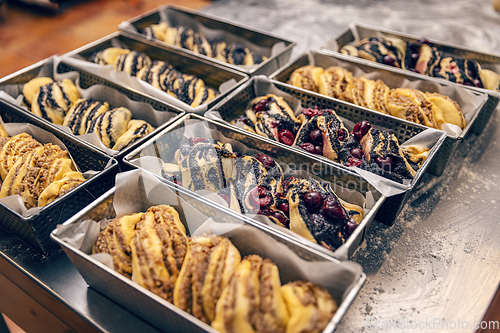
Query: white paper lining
{"x": 197, "y": 128}
{"x": 15, "y": 201}
{"x": 137, "y": 190}
{"x": 175, "y": 18}
{"x": 140, "y": 110}
{"x": 428, "y": 138}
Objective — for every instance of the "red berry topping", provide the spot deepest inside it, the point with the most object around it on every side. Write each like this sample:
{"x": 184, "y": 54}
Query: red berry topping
{"x": 280, "y": 195}
{"x": 264, "y": 211}
{"x": 287, "y": 181}
{"x": 284, "y": 207}
{"x": 350, "y": 226}
{"x": 358, "y": 153}
{"x": 267, "y": 161}
{"x": 360, "y": 129}
{"x": 310, "y": 112}
{"x": 388, "y": 60}
{"x": 178, "y": 182}
{"x": 318, "y": 150}
{"x": 193, "y": 141}
{"x": 286, "y": 137}
{"x": 225, "y": 197}
{"x": 282, "y": 218}
{"x": 353, "y": 162}
{"x": 313, "y": 201}
{"x": 316, "y": 137}
{"x": 261, "y": 105}
{"x": 309, "y": 147}
{"x": 384, "y": 162}
{"x": 341, "y": 134}
{"x": 274, "y": 122}
{"x": 260, "y": 197}
{"x": 332, "y": 209}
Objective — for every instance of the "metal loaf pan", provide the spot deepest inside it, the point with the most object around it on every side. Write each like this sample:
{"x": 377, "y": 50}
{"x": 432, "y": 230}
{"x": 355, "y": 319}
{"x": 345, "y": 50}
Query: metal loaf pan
{"x": 154, "y": 309}
{"x": 257, "y": 37}
{"x": 398, "y": 125}
{"x": 235, "y": 105}
{"x": 210, "y": 72}
{"x": 35, "y": 229}
{"x": 357, "y": 31}
{"x": 166, "y": 143}
{"x": 86, "y": 80}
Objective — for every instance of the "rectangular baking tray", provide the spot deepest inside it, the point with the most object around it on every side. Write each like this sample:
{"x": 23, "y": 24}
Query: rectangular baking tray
{"x": 325, "y": 60}
{"x": 168, "y": 141}
{"x": 235, "y": 105}
{"x": 86, "y": 80}
{"x": 155, "y": 310}
{"x": 213, "y": 74}
{"x": 258, "y": 37}
{"x": 357, "y": 31}
{"x": 35, "y": 229}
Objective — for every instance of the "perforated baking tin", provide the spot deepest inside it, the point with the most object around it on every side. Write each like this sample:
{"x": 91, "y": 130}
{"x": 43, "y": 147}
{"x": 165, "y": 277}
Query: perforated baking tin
{"x": 213, "y": 74}
{"x": 35, "y": 230}
{"x": 168, "y": 141}
{"x": 87, "y": 80}
{"x": 396, "y": 124}
{"x": 235, "y": 105}
{"x": 357, "y": 31}
{"x": 160, "y": 313}
{"x": 257, "y": 37}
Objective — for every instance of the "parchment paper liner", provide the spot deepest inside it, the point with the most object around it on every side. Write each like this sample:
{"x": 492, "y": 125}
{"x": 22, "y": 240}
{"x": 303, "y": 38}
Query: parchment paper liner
{"x": 428, "y": 138}
{"x": 15, "y": 201}
{"x": 197, "y": 128}
{"x": 140, "y": 110}
{"x": 138, "y": 189}
{"x": 175, "y": 18}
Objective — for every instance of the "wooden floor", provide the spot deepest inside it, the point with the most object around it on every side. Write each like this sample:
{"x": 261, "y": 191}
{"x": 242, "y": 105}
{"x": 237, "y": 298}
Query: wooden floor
{"x": 31, "y": 34}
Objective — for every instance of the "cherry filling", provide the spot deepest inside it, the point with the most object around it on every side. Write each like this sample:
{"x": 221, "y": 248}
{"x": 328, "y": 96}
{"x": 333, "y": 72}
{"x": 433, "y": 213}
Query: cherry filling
{"x": 332, "y": 209}
{"x": 360, "y": 129}
{"x": 357, "y": 153}
{"x": 194, "y": 141}
{"x": 384, "y": 162}
{"x": 178, "y": 182}
{"x": 282, "y": 218}
{"x": 261, "y": 105}
{"x": 286, "y": 137}
{"x": 267, "y": 161}
{"x": 260, "y": 197}
{"x": 275, "y": 122}
{"x": 284, "y": 207}
{"x": 313, "y": 201}
{"x": 316, "y": 137}
{"x": 388, "y": 60}
{"x": 310, "y": 112}
{"x": 341, "y": 134}
{"x": 353, "y": 162}
{"x": 349, "y": 227}
{"x": 314, "y": 144}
